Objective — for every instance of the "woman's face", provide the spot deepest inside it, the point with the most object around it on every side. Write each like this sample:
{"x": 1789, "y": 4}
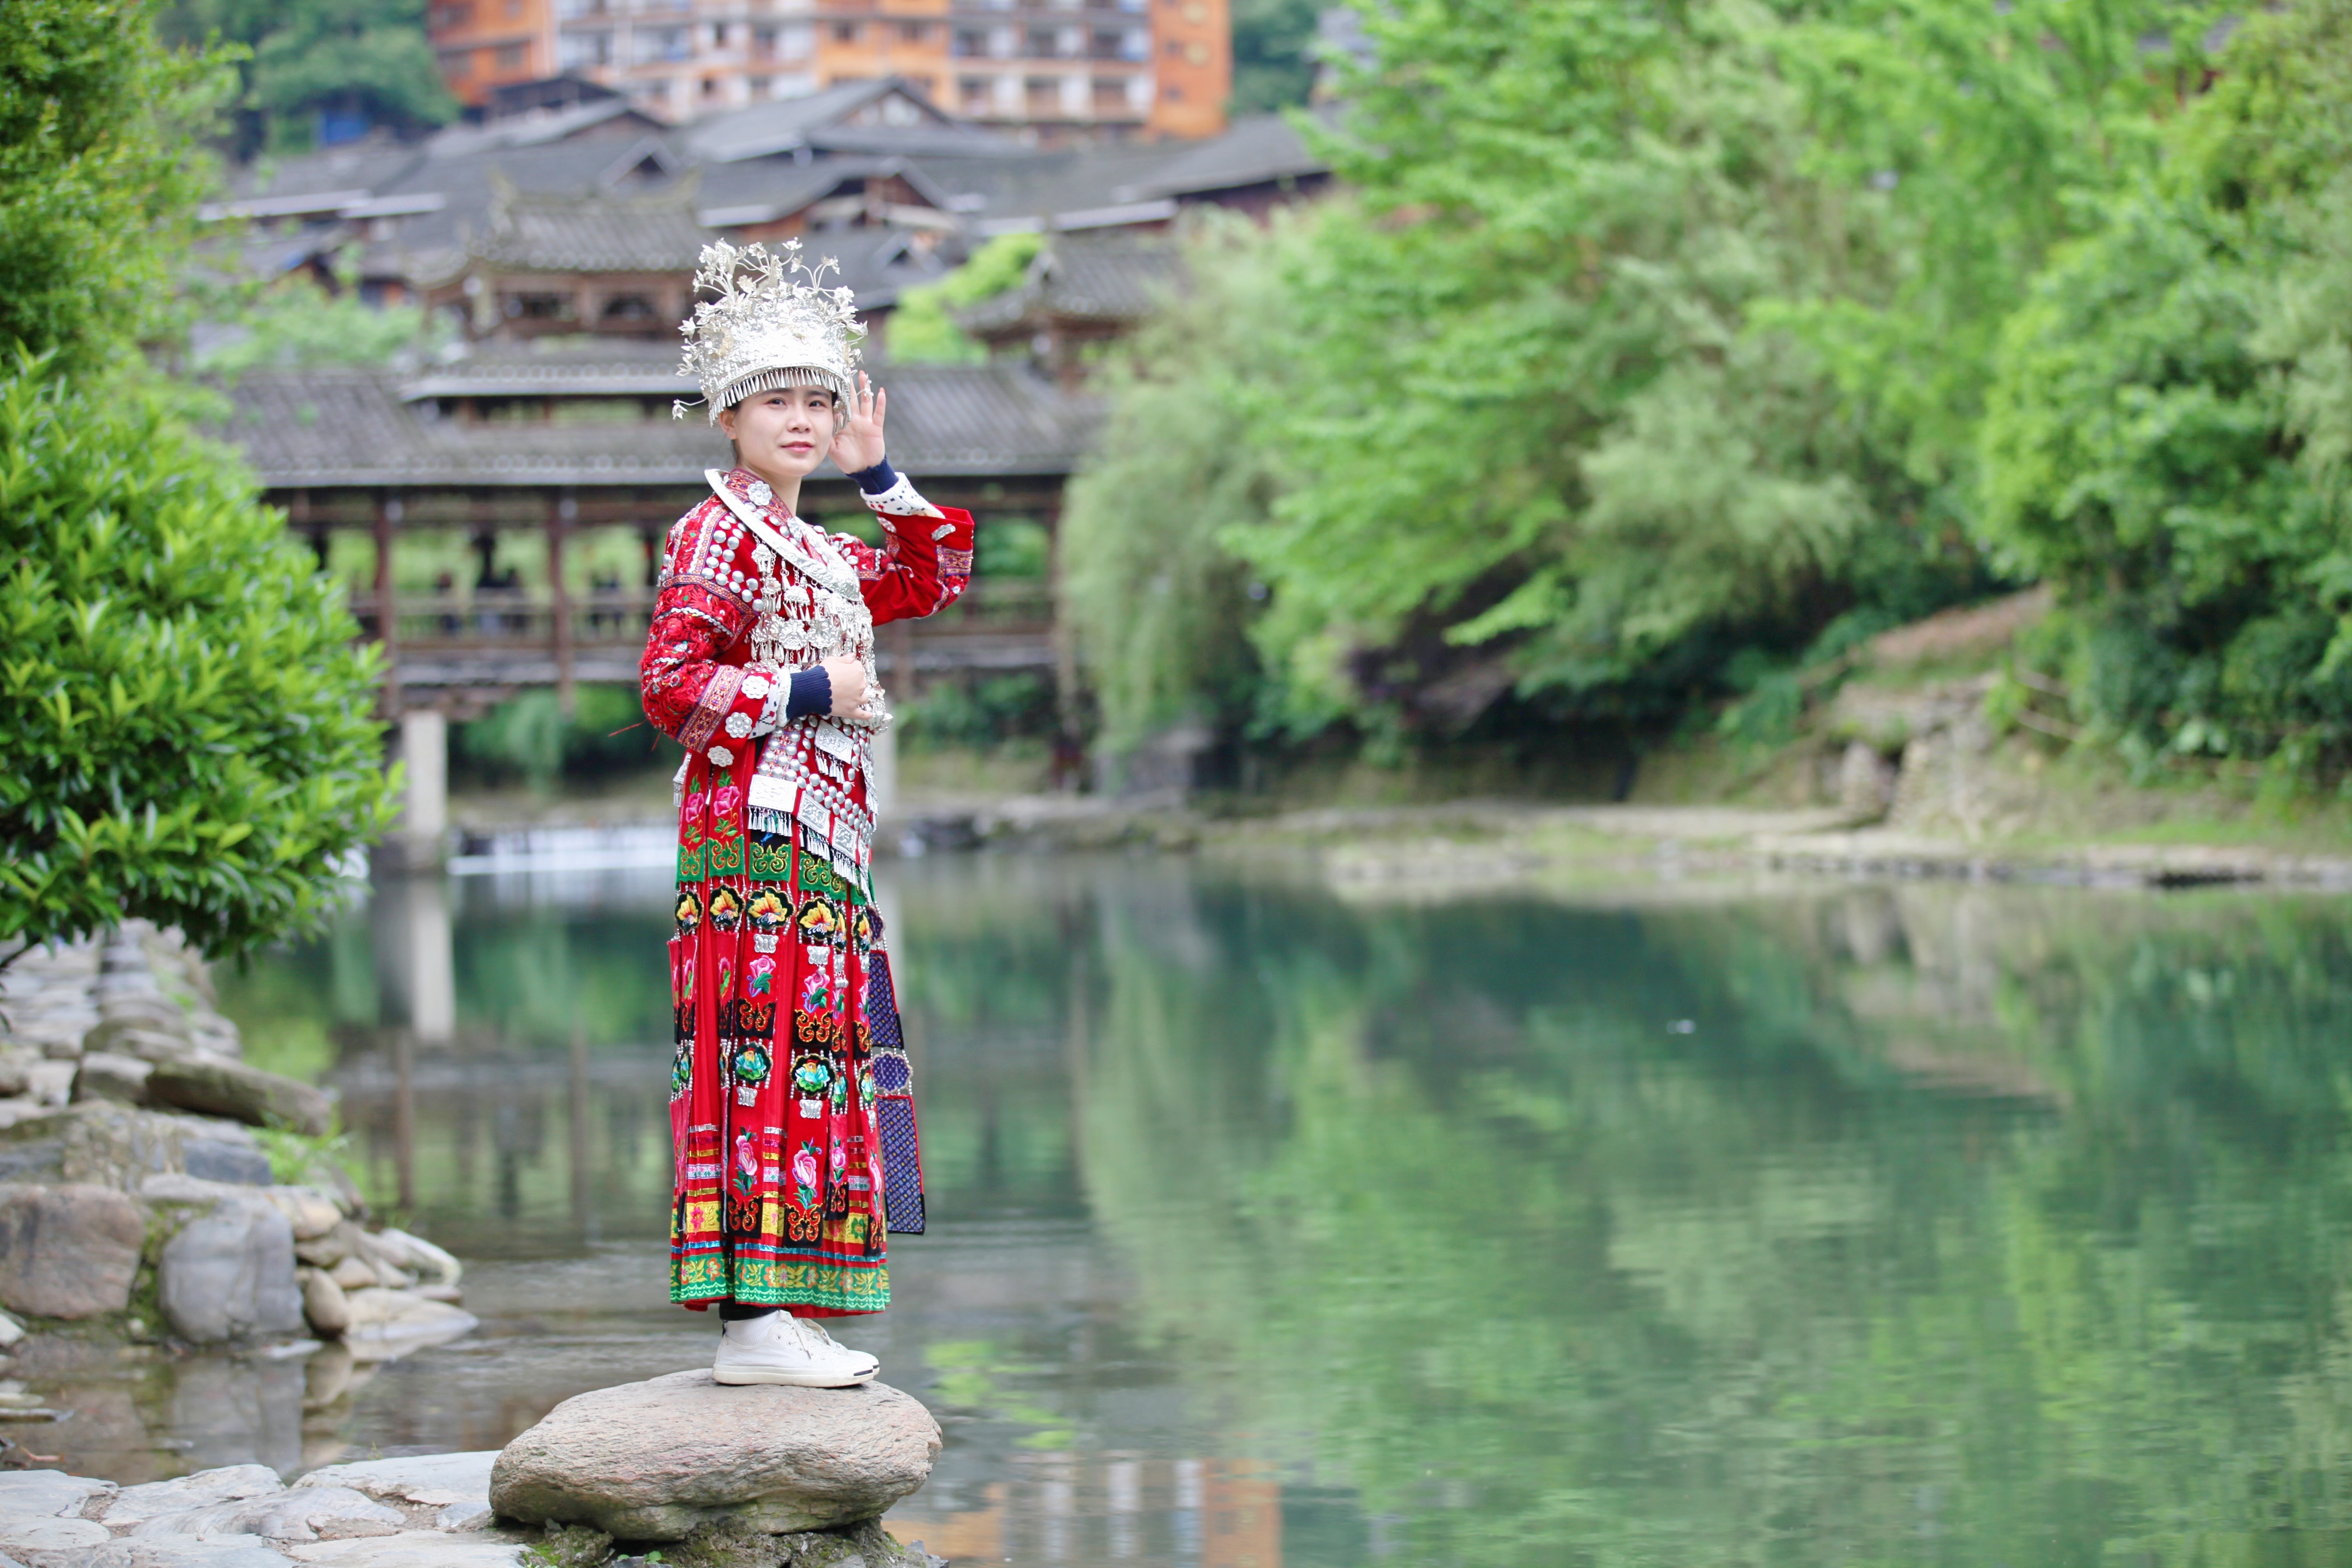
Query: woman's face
{"x": 784, "y": 433}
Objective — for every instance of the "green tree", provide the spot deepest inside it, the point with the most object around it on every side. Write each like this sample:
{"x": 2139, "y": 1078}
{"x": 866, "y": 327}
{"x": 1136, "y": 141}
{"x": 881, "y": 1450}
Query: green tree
{"x": 1273, "y": 64}
{"x": 1161, "y": 609}
{"x": 368, "y": 57}
{"x": 98, "y": 180}
{"x": 1644, "y": 359}
{"x": 190, "y": 735}
{"x": 2168, "y": 438}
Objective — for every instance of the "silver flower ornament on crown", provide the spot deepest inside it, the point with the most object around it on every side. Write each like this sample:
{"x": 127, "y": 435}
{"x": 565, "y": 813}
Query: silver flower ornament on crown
{"x": 765, "y": 328}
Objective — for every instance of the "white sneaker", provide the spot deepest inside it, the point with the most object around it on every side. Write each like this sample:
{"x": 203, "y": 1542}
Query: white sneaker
{"x": 781, "y": 1348}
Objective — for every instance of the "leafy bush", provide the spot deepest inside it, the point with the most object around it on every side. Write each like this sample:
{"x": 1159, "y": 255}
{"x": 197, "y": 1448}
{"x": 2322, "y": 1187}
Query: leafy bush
{"x": 923, "y": 329}
{"x": 99, "y": 174}
{"x": 191, "y": 736}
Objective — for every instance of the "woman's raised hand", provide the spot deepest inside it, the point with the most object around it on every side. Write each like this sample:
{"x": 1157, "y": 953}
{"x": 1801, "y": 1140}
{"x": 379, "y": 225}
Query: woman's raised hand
{"x": 858, "y": 445}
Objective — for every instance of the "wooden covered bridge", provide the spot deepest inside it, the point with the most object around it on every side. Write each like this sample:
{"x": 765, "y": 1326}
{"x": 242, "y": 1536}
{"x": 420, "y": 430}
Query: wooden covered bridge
{"x": 551, "y": 476}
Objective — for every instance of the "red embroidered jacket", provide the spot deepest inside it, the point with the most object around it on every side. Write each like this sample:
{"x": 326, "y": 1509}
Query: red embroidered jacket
{"x": 697, "y": 683}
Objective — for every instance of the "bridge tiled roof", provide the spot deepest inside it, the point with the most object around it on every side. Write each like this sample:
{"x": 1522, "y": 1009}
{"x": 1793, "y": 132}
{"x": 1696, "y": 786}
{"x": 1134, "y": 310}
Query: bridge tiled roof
{"x": 1096, "y": 278}
{"x": 362, "y": 428}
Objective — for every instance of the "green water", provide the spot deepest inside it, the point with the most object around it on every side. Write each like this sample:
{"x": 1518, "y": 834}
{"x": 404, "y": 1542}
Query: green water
{"x": 1674, "y": 1223}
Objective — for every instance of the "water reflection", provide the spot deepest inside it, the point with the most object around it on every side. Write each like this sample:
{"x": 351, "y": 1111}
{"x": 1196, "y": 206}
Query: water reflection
{"x": 1697, "y": 1225}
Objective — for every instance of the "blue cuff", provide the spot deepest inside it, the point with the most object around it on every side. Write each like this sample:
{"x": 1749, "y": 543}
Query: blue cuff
{"x": 812, "y": 692}
{"x": 877, "y": 479}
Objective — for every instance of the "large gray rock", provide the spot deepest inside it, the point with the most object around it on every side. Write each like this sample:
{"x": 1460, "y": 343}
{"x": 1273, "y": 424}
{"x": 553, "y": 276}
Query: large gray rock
{"x": 115, "y": 1145}
{"x": 242, "y": 1093}
{"x": 230, "y": 1483}
{"x": 312, "y": 1513}
{"x": 414, "y": 1549}
{"x": 230, "y": 1275}
{"x": 68, "y": 1251}
{"x": 182, "y": 1551}
{"x": 50, "y": 1493}
{"x": 653, "y": 1461}
{"x": 40, "y": 1541}
{"x": 456, "y": 1485}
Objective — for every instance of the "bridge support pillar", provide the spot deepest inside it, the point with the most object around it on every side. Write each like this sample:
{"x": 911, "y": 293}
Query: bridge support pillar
{"x": 419, "y": 839}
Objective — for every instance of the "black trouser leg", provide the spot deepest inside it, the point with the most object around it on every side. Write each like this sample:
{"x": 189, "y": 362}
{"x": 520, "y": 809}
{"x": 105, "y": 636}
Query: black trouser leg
{"x": 739, "y": 1311}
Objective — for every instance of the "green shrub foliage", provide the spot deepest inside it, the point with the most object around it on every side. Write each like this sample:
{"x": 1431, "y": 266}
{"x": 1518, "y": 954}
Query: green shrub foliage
{"x": 2167, "y": 439}
{"x": 191, "y": 737}
{"x": 99, "y": 174}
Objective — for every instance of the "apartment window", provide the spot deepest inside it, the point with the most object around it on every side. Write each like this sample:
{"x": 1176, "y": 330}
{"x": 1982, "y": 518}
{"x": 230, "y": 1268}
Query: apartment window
{"x": 718, "y": 34}
{"x": 662, "y": 44}
{"x": 763, "y": 46}
{"x": 571, "y": 10}
{"x": 511, "y": 57}
{"x": 796, "y": 42}
{"x": 1110, "y": 94}
{"x": 1045, "y": 93}
{"x": 968, "y": 44}
{"x": 1135, "y": 44}
{"x": 458, "y": 64}
{"x": 913, "y": 32}
{"x": 630, "y": 308}
{"x": 1175, "y": 50}
{"x": 845, "y": 32}
{"x": 975, "y": 92}
{"x": 1041, "y": 44}
{"x": 575, "y": 50}
{"x": 1173, "y": 94}
{"x": 445, "y": 16}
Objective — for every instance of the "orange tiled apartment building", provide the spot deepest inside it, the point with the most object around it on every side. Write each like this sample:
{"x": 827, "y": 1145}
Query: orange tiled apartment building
{"x": 1060, "y": 68}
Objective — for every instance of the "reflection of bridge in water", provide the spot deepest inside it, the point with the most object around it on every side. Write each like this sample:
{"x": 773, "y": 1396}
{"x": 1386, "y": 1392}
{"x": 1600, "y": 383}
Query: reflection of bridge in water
{"x": 567, "y": 467}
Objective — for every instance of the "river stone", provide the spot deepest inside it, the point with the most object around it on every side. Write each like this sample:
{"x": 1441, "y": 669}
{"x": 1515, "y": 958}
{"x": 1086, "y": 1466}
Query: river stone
{"x": 68, "y": 1251}
{"x": 324, "y": 1306}
{"x": 387, "y": 1324}
{"x": 230, "y": 1483}
{"x": 230, "y": 1275}
{"x": 242, "y": 1093}
{"x": 301, "y": 1514}
{"x": 311, "y": 1212}
{"x": 105, "y": 1075}
{"x": 130, "y": 1035}
{"x": 434, "y": 1479}
{"x": 185, "y": 1552}
{"x": 216, "y": 1160}
{"x": 652, "y": 1461}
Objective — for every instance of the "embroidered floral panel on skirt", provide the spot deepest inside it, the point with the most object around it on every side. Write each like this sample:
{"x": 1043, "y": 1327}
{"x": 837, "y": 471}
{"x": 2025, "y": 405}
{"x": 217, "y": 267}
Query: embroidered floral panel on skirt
{"x": 776, "y": 1111}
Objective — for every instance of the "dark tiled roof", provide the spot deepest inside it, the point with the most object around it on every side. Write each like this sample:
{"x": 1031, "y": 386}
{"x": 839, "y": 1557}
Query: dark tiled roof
{"x": 765, "y": 129}
{"x": 601, "y": 233}
{"x": 327, "y": 429}
{"x": 1253, "y": 151}
{"x": 1094, "y": 277}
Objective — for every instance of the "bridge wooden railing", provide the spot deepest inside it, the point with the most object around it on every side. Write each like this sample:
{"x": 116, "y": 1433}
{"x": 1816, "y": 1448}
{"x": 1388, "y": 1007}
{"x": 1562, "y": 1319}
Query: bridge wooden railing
{"x": 504, "y": 636}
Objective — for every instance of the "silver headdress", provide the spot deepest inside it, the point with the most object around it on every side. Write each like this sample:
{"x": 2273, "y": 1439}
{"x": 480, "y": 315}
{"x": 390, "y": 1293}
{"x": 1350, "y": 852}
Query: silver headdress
{"x": 767, "y": 329}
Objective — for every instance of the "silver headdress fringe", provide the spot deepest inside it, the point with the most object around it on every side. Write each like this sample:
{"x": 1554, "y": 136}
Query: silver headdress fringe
{"x": 767, "y": 329}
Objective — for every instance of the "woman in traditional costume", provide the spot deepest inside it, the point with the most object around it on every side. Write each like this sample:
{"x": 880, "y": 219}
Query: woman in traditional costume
{"x": 790, "y": 1108}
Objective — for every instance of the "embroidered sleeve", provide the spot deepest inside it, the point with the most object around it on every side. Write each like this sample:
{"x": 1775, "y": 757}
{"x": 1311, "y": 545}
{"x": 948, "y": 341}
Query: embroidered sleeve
{"x": 925, "y": 560}
{"x": 702, "y": 612}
